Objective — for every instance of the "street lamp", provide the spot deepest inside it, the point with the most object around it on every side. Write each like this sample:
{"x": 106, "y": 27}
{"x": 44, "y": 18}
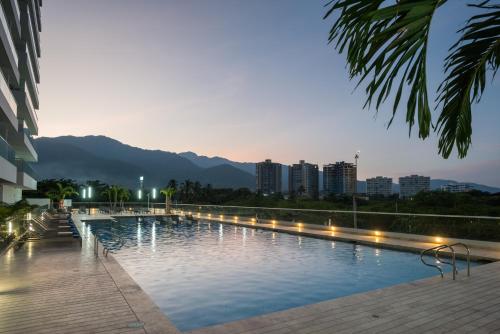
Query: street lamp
{"x": 87, "y": 193}
{"x": 354, "y": 204}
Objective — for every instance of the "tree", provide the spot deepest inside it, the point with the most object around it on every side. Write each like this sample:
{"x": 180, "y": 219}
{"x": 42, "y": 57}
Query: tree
{"x": 168, "y": 192}
{"x": 59, "y": 192}
{"x": 388, "y": 43}
{"x": 123, "y": 195}
{"x": 108, "y": 193}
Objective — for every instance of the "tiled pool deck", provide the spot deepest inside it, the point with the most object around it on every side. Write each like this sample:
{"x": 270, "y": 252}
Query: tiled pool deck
{"x": 59, "y": 288}
{"x": 55, "y": 287}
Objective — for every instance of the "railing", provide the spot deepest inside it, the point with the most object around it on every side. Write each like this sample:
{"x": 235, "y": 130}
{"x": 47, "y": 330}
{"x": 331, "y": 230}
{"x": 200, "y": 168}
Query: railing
{"x": 116, "y": 238}
{"x": 6, "y": 151}
{"x": 18, "y": 228}
{"x": 23, "y": 166}
{"x": 28, "y": 134}
{"x": 484, "y": 228}
{"x": 439, "y": 260}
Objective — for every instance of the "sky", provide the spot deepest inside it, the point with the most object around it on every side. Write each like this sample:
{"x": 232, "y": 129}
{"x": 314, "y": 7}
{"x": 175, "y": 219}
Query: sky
{"x": 245, "y": 80}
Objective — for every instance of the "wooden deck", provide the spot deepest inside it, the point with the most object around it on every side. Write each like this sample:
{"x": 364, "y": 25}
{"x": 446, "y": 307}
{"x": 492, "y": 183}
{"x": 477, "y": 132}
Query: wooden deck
{"x": 55, "y": 287}
{"x": 467, "y": 305}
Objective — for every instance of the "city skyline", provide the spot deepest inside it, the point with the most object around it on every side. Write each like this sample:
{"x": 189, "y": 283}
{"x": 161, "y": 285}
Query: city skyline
{"x": 234, "y": 90}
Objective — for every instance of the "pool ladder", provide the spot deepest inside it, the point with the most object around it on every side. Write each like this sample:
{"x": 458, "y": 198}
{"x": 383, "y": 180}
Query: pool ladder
{"x": 453, "y": 262}
{"x": 105, "y": 249}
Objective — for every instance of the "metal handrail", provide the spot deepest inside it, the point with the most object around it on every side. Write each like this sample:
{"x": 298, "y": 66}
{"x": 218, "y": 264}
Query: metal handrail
{"x": 453, "y": 262}
{"x": 436, "y": 250}
{"x": 467, "y": 248}
{"x": 105, "y": 249}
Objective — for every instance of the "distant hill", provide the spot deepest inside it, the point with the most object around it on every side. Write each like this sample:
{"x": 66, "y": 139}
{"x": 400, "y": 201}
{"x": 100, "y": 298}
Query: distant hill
{"x": 106, "y": 159}
{"x": 207, "y": 162}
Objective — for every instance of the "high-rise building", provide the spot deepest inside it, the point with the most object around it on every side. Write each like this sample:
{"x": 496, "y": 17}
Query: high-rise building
{"x": 411, "y": 185}
{"x": 379, "y": 186}
{"x": 268, "y": 176}
{"x": 456, "y": 187}
{"x": 20, "y": 27}
{"x": 303, "y": 179}
{"x": 340, "y": 178}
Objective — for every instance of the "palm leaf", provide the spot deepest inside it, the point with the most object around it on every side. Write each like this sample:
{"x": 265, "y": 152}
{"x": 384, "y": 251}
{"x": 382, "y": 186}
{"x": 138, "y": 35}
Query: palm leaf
{"x": 476, "y": 52}
{"x": 386, "y": 44}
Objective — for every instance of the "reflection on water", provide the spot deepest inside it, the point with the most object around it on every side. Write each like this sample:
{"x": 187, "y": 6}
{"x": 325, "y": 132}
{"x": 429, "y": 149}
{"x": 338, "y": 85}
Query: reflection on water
{"x": 202, "y": 274}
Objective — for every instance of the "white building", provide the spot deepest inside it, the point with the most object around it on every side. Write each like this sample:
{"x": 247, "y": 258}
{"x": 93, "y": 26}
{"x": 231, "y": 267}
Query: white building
{"x": 411, "y": 185}
{"x": 379, "y": 186}
{"x": 20, "y": 27}
{"x": 456, "y": 187}
{"x": 303, "y": 179}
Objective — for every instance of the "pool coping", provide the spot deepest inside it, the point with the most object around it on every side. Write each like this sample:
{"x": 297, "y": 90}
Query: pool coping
{"x": 153, "y": 319}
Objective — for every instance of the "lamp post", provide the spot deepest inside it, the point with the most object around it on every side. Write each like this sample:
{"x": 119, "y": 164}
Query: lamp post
{"x": 354, "y": 204}
{"x": 153, "y": 193}
{"x": 89, "y": 195}
{"x": 139, "y": 192}
{"x": 147, "y": 195}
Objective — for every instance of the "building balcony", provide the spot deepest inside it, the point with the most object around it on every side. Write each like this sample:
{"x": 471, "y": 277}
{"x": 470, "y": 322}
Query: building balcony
{"x": 28, "y": 77}
{"x": 26, "y": 176}
{"x": 38, "y": 4}
{"x": 8, "y": 170}
{"x": 8, "y": 105}
{"x": 25, "y": 109}
{"x": 28, "y": 35}
{"x": 33, "y": 14}
{"x": 8, "y": 56}
{"x": 13, "y": 17}
{"x": 23, "y": 144}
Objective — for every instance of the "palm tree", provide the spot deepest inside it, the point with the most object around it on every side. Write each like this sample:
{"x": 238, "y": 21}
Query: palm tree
{"x": 109, "y": 194}
{"x": 60, "y": 192}
{"x": 123, "y": 195}
{"x": 387, "y": 43}
{"x": 168, "y": 192}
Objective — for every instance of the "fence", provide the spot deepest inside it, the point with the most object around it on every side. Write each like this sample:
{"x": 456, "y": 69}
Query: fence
{"x": 453, "y": 226}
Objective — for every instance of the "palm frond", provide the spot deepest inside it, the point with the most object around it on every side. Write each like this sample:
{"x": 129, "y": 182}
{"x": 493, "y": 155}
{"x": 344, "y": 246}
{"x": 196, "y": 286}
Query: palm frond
{"x": 475, "y": 54}
{"x": 387, "y": 43}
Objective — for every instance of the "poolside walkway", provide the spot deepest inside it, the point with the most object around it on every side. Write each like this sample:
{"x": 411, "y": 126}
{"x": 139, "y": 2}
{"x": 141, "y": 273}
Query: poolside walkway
{"x": 482, "y": 254}
{"x": 467, "y": 305}
{"x": 55, "y": 287}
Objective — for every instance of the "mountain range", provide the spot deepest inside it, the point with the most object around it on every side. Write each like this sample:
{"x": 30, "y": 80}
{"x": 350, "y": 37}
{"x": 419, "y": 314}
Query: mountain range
{"x": 108, "y": 160}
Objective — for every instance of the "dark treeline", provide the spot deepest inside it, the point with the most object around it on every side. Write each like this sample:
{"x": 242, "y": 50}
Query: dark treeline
{"x": 437, "y": 202}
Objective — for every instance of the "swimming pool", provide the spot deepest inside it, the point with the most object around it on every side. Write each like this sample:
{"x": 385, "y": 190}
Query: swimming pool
{"x": 203, "y": 274}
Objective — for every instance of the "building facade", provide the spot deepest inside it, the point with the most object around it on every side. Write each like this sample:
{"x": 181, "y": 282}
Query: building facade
{"x": 456, "y": 187}
{"x": 340, "y": 178}
{"x": 379, "y": 186}
{"x": 303, "y": 179}
{"x": 411, "y": 185}
{"x": 20, "y": 27}
{"x": 268, "y": 177}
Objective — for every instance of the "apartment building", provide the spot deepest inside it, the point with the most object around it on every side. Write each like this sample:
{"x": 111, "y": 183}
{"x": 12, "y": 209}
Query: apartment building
{"x": 379, "y": 186}
{"x": 303, "y": 179}
{"x": 268, "y": 177}
{"x": 340, "y": 178}
{"x": 20, "y": 27}
{"x": 411, "y": 185}
{"x": 456, "y": 187}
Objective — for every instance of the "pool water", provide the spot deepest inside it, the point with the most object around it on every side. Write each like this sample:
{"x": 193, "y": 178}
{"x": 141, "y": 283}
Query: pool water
{"x": 203, "y": 274}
